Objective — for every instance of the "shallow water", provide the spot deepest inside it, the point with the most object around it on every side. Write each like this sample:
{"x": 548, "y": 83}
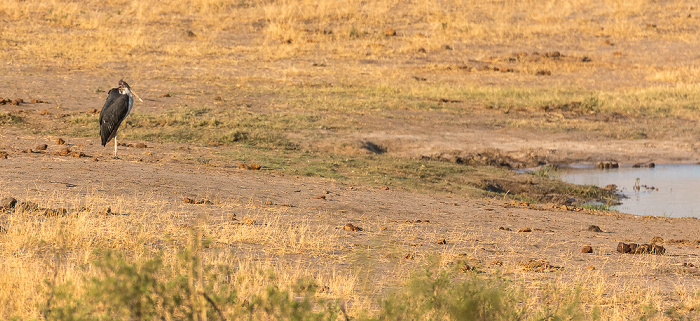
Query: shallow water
{"x": 675, "y": 192}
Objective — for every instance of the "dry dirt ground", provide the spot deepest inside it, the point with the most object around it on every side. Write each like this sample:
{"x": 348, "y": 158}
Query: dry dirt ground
{"x": 402, "y": 226}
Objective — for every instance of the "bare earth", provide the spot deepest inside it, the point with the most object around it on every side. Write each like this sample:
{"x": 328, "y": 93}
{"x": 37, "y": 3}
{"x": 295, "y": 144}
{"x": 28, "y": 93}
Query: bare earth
{"x": 389, "y": 218}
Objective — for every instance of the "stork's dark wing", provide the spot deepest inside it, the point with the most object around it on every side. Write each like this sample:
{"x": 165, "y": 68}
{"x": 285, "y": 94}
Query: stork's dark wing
{"x": 113, "y": 112}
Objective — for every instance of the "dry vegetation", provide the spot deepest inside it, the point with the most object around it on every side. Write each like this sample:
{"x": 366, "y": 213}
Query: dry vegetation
{"x": 337, "y": 89}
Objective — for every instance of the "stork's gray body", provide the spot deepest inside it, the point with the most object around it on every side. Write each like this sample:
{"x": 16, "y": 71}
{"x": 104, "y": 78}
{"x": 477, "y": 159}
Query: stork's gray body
{"x": 118, "y": 105}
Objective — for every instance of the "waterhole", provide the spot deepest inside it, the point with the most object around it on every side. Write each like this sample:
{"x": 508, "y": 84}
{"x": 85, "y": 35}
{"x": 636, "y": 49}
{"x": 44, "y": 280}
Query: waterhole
{"x": 665, "y": 190}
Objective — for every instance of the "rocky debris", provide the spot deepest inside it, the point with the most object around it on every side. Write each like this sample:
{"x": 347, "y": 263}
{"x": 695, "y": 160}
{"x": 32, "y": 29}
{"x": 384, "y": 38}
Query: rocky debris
{"x": 8, "y": 203}
{"x": 634, "y": 248}
{"x": 353, "y": 228}
{"x": 607, "y": 164}
{"x": 644, "y": 165}
{"x": 586, "y": 249}
{"x": 594, "y": 228}
{"x": 26, "y": 207}
{"x": 537, "y": 266}
{"x": 188, "y": 200}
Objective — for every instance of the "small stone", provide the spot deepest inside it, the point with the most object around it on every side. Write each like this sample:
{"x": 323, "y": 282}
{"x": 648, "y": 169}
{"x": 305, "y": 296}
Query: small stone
{"x": 8, "y": 202}
{"x": 587, "y": 249}
{"x": 353, "y": 228}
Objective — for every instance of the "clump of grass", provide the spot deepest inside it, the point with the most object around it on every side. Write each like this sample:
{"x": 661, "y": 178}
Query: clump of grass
{"x": 548, "y": 171}
{"x": 10, "y": 119}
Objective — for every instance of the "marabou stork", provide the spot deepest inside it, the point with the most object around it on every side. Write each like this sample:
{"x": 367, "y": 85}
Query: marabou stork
{"x": 116, "y": 108}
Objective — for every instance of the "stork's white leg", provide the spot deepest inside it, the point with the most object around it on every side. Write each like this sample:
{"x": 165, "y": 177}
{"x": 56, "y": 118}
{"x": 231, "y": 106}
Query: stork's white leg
{"x": 115, "y": 145}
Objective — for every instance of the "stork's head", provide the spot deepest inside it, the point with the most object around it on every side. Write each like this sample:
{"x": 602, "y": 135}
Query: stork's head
{"x": 123, "y": 84}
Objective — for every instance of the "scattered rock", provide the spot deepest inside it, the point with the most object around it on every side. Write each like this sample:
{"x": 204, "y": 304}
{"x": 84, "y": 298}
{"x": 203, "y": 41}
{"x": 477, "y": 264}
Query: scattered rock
{"x": 607, "y": 164}
{"x": 586, "y": 249}
{"x": 634, "y": 248}
{"x": 41, "y": 147}
{"x": 63, "y": 151}
{"x": 353, "y": 228}
{"x": 8, "y": 202}
{"x": 60, "y": 141}
{"x": 644, "y": 165}
{"x": 594, "y": 228}
{"x": 26, "y": 207}
{"x": 53, "y": 212}
{"x": 524, "y": 230}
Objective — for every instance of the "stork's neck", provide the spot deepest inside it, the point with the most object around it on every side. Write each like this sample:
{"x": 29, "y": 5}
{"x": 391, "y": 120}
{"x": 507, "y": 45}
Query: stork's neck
{"x": 127, "y": 91}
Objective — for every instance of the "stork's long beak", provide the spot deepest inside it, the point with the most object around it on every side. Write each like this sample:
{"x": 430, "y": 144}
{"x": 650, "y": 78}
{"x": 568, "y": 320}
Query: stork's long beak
{"x": 137, "y": 96}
